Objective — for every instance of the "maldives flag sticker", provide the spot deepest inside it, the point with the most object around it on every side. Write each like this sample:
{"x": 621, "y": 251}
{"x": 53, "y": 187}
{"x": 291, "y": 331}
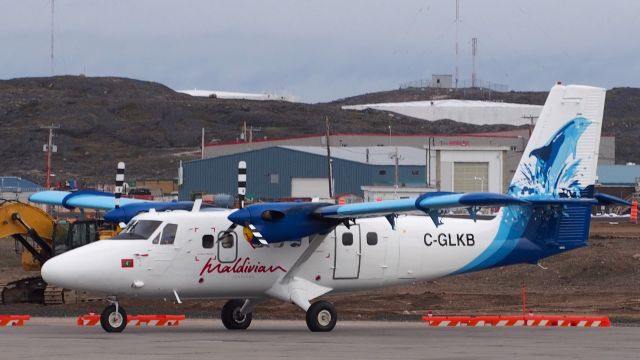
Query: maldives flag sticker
{"x": 126, "y": 263}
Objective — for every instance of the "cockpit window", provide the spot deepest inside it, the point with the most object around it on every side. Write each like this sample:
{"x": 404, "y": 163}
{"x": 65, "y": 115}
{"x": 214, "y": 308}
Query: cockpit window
{"x": 168, "y": 234}
{"x": 138, "y": 230}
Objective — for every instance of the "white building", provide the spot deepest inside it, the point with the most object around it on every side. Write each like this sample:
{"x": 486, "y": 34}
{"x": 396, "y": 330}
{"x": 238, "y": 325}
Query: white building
{"x": 469, "y": 169}
{"x": 466, "y": 111}
{"x": 239, "y": 95}
{"x": 444, "y": 81}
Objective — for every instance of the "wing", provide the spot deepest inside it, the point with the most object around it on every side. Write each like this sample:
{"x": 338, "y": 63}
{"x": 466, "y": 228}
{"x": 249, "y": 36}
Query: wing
{"x": 85, "y": 199}
{"x": 428, "y": 203}
{"x": 91, "y": 199}
{"x": 276, "y": 222}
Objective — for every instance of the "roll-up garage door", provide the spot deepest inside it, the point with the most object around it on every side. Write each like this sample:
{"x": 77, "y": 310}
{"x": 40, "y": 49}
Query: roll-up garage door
{"x": 470, "y": 176}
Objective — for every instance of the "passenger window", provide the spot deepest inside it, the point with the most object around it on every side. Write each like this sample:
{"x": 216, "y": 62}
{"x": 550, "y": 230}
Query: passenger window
{"x": 372, "y": 239}
{"x": 156, "y": 239}
{"x": 168, "y": 234}
{"x": 226, "y": 240}
{"x": 207, "y": 241}
{"x": 347, "y": 239}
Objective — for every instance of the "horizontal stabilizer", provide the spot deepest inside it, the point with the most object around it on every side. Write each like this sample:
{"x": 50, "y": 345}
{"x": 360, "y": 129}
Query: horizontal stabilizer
{"x": 598, "y": 199}
{"x": 606, "y": 199}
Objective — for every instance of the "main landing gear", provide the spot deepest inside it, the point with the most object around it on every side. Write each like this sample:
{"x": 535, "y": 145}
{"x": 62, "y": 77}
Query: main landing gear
{"x": 237, "y": 314}
{"x": 321, "y": 316}
{"x": 113, "y": 318}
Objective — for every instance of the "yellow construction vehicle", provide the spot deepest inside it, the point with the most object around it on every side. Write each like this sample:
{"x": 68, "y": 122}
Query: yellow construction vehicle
{"x": 41, "y": 237}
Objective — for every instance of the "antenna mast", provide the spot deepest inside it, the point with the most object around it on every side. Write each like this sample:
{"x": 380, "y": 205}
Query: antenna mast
{"x": 457, "y": 32}
{"x": 51, "y": 57}
{"x": 474, "y": 53}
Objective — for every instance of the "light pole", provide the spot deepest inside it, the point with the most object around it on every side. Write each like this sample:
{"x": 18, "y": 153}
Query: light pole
{"x": 481, "y": 179}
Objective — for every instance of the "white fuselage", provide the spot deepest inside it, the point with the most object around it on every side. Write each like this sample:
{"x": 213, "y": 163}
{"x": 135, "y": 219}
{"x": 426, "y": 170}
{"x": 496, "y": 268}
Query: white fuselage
{"x": 367, "y": 255}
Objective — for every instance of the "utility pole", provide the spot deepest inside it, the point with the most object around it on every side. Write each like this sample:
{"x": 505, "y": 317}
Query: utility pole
{"x": 244, "y": 131}
{"x": 427, "y": 167}
{"x": 49, "y": 148}
{"x": 329, "y": 167}
{"x": 531, "y": 118}
{"x": 202, "y": 145}
{"x": 396, "y": 172}
{"x": 396, "y": 164}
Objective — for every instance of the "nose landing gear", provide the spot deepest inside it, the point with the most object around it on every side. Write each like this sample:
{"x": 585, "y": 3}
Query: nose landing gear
{"x": 236, "y": 314}
{"x": 113, "y": 318}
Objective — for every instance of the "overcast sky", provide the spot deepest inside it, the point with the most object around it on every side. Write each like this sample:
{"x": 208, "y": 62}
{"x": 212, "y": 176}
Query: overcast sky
{"x": 324, "y": 50}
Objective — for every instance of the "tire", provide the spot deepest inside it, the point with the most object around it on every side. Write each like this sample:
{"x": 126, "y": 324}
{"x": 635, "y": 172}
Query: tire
{"x": 321, "y": 316}
{"x": 110, "y": 323}
{"x": 231, "y": 317}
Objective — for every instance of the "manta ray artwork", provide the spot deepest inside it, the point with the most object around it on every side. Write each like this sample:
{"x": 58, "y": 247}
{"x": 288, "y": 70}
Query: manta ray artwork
{"x": 300, "y": 252}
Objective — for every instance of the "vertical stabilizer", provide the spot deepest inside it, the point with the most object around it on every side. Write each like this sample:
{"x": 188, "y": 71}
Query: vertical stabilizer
{"x": 561, "y": 157}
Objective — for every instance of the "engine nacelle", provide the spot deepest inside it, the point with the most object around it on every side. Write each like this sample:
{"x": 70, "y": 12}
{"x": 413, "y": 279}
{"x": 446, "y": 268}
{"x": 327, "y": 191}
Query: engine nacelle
{"x": 288, "y": 221}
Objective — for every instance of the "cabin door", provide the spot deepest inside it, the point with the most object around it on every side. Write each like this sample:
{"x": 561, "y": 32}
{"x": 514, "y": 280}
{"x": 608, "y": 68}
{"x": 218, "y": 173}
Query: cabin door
{"x": 347, "y": 252}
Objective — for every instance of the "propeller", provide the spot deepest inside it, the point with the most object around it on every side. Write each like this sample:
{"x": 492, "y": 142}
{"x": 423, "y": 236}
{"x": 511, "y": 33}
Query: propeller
{"x": 287, "y": 221}
{"x": 274, "y": 222}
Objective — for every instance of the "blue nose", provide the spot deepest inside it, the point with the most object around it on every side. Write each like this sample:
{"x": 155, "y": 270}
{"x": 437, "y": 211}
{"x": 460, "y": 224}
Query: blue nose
{"x": 240, "y": 217}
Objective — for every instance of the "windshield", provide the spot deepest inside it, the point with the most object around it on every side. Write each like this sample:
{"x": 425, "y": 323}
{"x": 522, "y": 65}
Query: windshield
{"x": 138, "y": 230}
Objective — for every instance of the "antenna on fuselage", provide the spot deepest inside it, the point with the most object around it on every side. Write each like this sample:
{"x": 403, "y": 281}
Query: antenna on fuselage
{"x": 242, "y": 182}
{"x": 119, "y": 184}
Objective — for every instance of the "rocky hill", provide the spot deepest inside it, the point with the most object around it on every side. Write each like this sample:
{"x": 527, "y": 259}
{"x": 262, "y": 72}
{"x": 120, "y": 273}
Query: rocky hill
{"x": 151, "y": 127}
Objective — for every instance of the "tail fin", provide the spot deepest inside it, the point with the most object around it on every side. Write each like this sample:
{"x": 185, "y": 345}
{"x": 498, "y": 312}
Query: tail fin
{"x": 562, "y": 154}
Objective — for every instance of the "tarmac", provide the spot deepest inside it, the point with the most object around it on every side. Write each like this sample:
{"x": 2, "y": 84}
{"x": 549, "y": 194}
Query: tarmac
{"x": 60, "y": 338}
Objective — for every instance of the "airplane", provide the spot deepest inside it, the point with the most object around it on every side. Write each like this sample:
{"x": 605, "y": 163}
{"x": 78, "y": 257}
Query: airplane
{"x": 299, "y": 252}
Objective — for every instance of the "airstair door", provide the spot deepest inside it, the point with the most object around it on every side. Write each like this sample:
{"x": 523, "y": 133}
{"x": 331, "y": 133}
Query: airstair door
{"x": 347, "y": 252}
{"x": 164, "y": 249}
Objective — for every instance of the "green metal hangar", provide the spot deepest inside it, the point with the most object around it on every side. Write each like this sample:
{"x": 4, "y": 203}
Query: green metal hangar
{"x": 301, "y": 171}
{"x": 368, "y": 172}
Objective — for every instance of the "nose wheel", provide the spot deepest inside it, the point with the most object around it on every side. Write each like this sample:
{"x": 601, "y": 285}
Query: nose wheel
{"x": 113, "y": 318}
{"x": 321, "y": 316}
{"x": 232, "y": 316}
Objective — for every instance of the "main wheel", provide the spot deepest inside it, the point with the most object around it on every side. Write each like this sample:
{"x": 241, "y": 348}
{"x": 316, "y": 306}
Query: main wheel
{"x": 113, "y": 321}
{"x": 321, "y": 316}
{"x": 231, "y": 316}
